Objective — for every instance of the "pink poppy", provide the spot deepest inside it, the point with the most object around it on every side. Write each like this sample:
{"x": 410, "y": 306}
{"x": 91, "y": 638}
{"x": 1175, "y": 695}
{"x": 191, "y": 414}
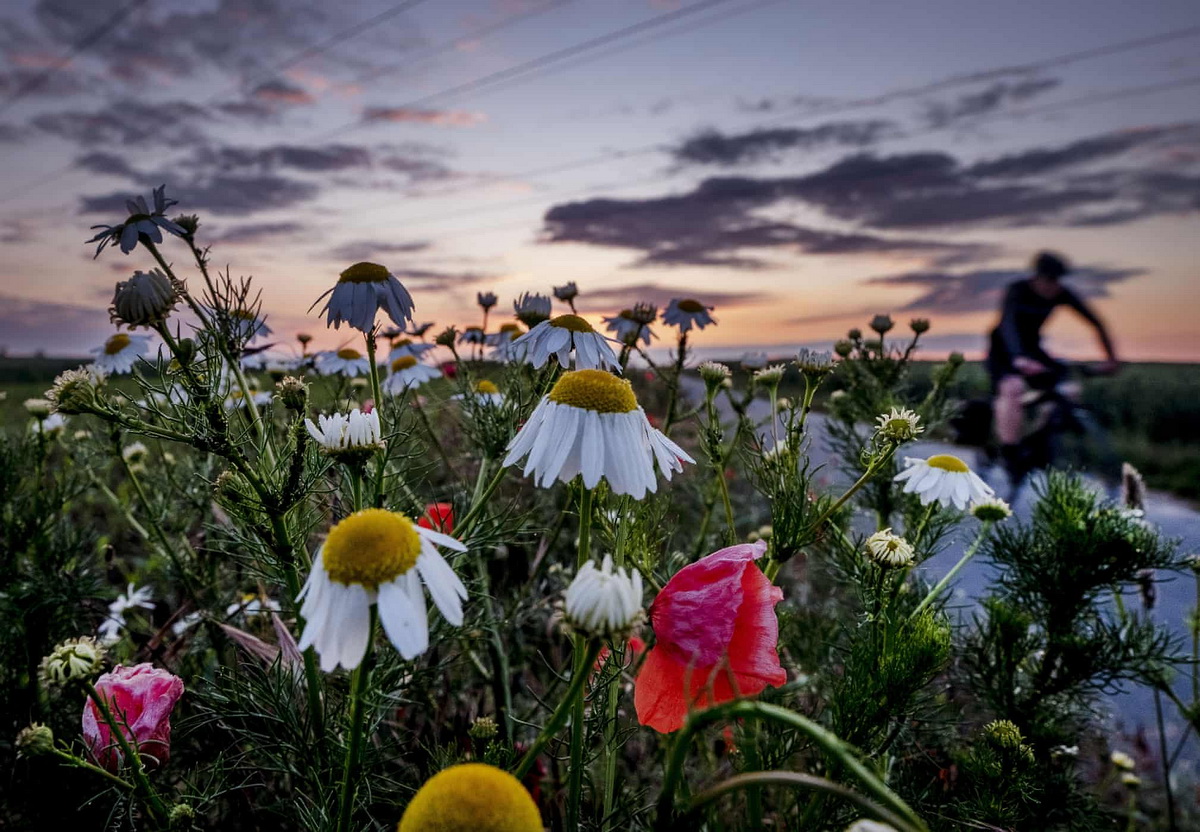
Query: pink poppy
{"x": 716, "y": 635}
{"x": 141, "y": 699}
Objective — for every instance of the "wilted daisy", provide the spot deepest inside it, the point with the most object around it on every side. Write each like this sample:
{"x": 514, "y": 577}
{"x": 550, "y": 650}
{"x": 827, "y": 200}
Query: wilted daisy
{"x": 686, "y": 313}
{"x": 531, "y": 309}
{"x": 486, "y": 300}
{"x": 715, "y": 374}
{"x": 406, "y": 373}
{"x": 945, "y": 479}
{"x": 591, "y": 424}
{"x": 354, "y": 435}
{"x": 132, "y": 599}
{"x": 120, "y": 353}
{"x": 142, "y": 220}
{"x": 991, "y": 510}
{"x": 898, "y": 425}
{"x": 145, "y": 299}
{"x": 406, "y": 346}
{"x": 560, "y": 337}
{"x": 769, "y": 376}
{"x": 76, "y": 658}
{"x": 888, "y": 549}
{"x": 76, "y": 391}
{"x": 603, "y": 603}
{"x": 567, "y": 292}
{"x": 626, "y": 328}
{"x": 377, "y": 557}
{"x": 361, "y": 291}
{"x": 346, "y": 361}
{"x": 484, "y": 392}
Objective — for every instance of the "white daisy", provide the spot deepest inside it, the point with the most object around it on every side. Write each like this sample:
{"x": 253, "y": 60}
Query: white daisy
{"x": 120, "y": 353}
{"x": 361, "y": 291}
{"x": 888, "y": 549}
{"x": 898, "y": 425}
{"x": 505, "y": 343}
{"x": 52, "y": 425}
{"x": 354, "y": 432}
{"x": 531, "y": 309}
{"x": 567, "y": 292}
{"x": 142, "y": 221}
{"x": 110, "y": 628}
{"x": 626, "y": 329}
{"x": 484, "y": 392}
{"x": 686, "y": 313}
{"x": 407, "y": 373}
{"x": 407, "y": 346}
{"x": 603, "y": 603}
{"x": 472, "y": 335}
{"x": 252, "y": 605}
{"x": 562, "y": 335}
{"x": 377, "y": 557}
{"x": 346, "y": 361}
{"x": 945, "y": 479}
{"x": 590, "y": 424}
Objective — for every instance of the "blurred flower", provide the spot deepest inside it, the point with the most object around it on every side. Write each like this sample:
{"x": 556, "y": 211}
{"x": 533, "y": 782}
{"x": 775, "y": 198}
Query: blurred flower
{"x": 351, "y": 436}
{"x": 562, "y": 335}
{"x": 870, "y": 826}
{"x": 627, "y": 329}
{"x": 141, "y": 221}
{"x": 483, "y": 728}
{"x": 75, "y": 391}
{"x": 35, "y": 740}
{"x": 447, "y": 337}
{"x": 73, "y": 659}
{"x": 472, "y": 335}
{"x": 1122, "y": 761}
{"x": 361, "y": 291}
{"x": 567, "y": 292}
{"x": 888, "y": 549}
{"x": 145, "y": 299}
{"x": 419, "y": 330}
{"x": 236, "y": 400}
{"x": 603, "y": 603}
{"x": 406, "y": 346}
{"x": 406, "y": 373}
{"x": 686, "y": 313}
{"x": 882, "y": 323}
{"x": 377, "y": 557}
{"x": 505, "y": 343}
{"x": 769, "y": 376}
{"x": 120, "y": 352}
{"x": 132, "y": 599}
{"x": 51, "y": 426}
{"x": 134, "y": 453}
{"x": 590, "y": 424}
{"x": 945, "y": 479}
{"x": 754, "y": 360}
{"x": 249, "y": 324}
{"x": 898, "y": 425}
{"x": 531, "y": 309}
{"x": 484, "y": 392}
{"x": 141, "y": 699}
{"x": 346, "y": 361}
{"x": 716, "y": 633}
{"x": 919, "y": 326}
{"x": 1131, "y": 781}
{"x": 471, "y": 797}
{"x": 814, "y": 362}
{"x": 714, "y": 374}
{"x": 39, "y": 408}
{"x": 252, "y": 605}
{"x": 439, "y": 517}
{"x": 844, "y": 348}
{"x": 991, "y": 510}
{"x": 486, "y": 300}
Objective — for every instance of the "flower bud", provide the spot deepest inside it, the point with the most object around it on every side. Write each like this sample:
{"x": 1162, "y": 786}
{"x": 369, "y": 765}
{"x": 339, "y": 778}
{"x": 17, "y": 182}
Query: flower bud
{"x": 882, "y": 323}
{"x": 145, "y": 299}
{"x": 844, "y": 348}
{"x": 293, "y": 392}
{"x": 769, "y": 376}
{"x": 919, "y": 326}
{"x": 991, "y": 510}
{"x": 483, "y": 728}
{"x": 854, "y": 334}
{"x": 74, "y": 659}
{"x": 39, "y": 408}
{"x": 182, "y": 816}
{"x": 889, "y": 550}
{"x": 898, "y": 425}
{"x": 447, "y": 337}
{"x": 190, "y": 223}
{"x": 35, "y": 740}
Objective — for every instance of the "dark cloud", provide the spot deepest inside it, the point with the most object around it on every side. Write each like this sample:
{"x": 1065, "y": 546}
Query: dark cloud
{"x": 434, "y": 278}
{"x": 128, "y": 122}
{"x": 983, "y": 290}
{"x": 107, "y": 164}
{"x": 407, "y": 115}
{"x": 278, "y": 91}
{"x": 617, "y": 297}
{"x": 374, "y": 250}
{"x": 712, "y": 147}
{"x": 981, "y": 102}
{"x": 252, "y": 233}
{"x": 55, "y": 328}
{"x": 1042, "y": 161}
{"x": 323, "y": 159}
{"x": 11, "y": 134}
{"x": 224, "y": 194}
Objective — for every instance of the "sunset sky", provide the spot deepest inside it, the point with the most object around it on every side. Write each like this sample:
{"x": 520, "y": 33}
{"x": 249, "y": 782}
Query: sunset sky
{"x": 798, "y": 164}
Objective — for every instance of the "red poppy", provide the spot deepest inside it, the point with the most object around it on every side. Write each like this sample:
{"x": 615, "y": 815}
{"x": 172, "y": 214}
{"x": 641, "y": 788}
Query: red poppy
{"x": 438, "y": 517}
{"x": 449, "y": 369}
{"x": 716, "y": 638}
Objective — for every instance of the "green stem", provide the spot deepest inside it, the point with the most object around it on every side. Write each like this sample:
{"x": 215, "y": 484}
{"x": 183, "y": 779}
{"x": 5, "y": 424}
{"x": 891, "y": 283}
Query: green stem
{"x": 1166, "y": 762}
{"x": 154, "y": 805}
{"x": 477, "y": 505}
{"x": 164, "y": 542}
{"x": 72, "y": 760}
{"x": 358, "y": 690}
{"x": 872, "y": 469}
{"x": 676, "y": 378}
{"x": 944, "y": 582}
{"x": 582, "y": 669}
{"x": 376, "y": 389}
{"x": 559, "y": 718}
{"x": 433, "y": 437}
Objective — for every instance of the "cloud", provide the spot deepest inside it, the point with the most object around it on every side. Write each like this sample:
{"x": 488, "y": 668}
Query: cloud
{"x": 277, "y": 91}
{"x": 224, "y": 194}
{"x": 712, "y": 147}
{"x": 994, "y": 97}
{"x": 407, "y": 115}
{"x": 254, "y": 233}
{"x": 374, "y": 250}
{"x": 128, "y": 122}
{"x": 1042, "y": 161}
{"x": 433, "y": 278}
{"x": 55, "y": 328}
{"x": 323, "y": 159}
{"x": 983, "y": 290}
{"x": 619, "y": 297}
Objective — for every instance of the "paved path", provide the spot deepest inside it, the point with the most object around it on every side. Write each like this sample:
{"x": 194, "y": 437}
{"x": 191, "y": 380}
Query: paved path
{"x": 1130, "y": 710}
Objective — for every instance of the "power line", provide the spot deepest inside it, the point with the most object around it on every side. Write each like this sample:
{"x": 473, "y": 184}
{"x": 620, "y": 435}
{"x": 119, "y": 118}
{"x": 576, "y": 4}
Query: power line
{"x": 35, "y": 83}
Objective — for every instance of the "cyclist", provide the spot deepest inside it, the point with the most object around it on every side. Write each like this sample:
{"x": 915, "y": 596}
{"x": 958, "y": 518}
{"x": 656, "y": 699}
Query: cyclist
{"x": 1016, "y": 359}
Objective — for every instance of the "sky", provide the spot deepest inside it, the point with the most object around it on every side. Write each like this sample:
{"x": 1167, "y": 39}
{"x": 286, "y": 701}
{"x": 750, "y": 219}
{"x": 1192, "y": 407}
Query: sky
{"x": 799, "y": 165}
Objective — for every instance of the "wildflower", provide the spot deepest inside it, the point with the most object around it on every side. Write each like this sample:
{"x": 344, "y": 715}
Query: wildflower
{"x": 406, "y": 346}
{"x": 251, "y": 605}
{"x": 603, "y": 603}
{"x": 361, "y": 291}
{"x": 293, "y": 392}
{"x": 141, "y": 699}
{"x": 39, "y": 408}
{"x": 899, "y": 425}
{"x": 567, "y": 292}
{"x": 644, "y": 313}
{"x": 882, "y": 323}
{"x": 484, "y": 392}
{"x": 1131, "y": 780}
{"x": 991, "y": 510}
{"x": 945, "y": 479}
{"x": 562, "y": 335}
{"x": 1122, "y": 761}
{"x": 51, "y": 426}
{"x": 769, "y": 376}
{"x": 814, "y": 362}
{"x": 716, "y": 638}
{"x": 350, "y": 438}
{"x": 304, "y": 338}
{"x": 74, "y": 659}
{"x": 483, "y": 728}
{"x": 237, "y": 399}
{"x": 590, "y": 424}
{"x": 135, "y": 453}
{"x": 142, "y": 223}
{"x": 486, "y": 300}
{"x": 439, "y": 517}
{"x": 145, "y": 299}
{"x": 715, "y": 375}
{"x": 504, "y": 343}
{"x": 889, "y": 550}
{"x": 35, "y": 740}
{"x": 377, "y": 557}
{"x": 132, "y": 599}
{"x": 471, "y": 797}
{"x": 1060, "y": 751}
{"x": 1133, "y": 488}
{"x": 754, "y": 360}
{"x": 75, "y": 391}
{"x": 919, "y": 326}
{"x": 120, "y": 352}
{"x": 627, "y": 329}
{"x": 346, "y": 361}
{"x": 406, "y": 373}
{"x": 843, "y": 348}
{"x": 472, "y": 335}
{"x": 686, "y": 313}
{"x": 447, "y": 337}
{"x": 531, "y": 309}
{"x": 419, "y": 330}
{"x": 870, "y": 826}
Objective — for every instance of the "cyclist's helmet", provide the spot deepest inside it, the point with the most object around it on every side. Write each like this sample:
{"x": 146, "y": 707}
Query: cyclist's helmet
{"x": 1051, "y": 265}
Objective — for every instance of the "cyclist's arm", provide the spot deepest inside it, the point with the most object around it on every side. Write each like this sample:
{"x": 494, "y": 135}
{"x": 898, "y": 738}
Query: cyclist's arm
{"x": 1075, "y": 302}
{"x": 1010, "y": 333}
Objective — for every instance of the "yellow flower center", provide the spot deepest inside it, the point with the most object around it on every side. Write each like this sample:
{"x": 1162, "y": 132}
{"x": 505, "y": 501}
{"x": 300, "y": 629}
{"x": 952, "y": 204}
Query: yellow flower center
{"x": 364, "y": 273}
{"x": 626, "y": 313}
{"x": 116, "y": 343}
{"x": 404, "y": 362}
{"x": 404, "y": 342}
{"x": 242, "y": 314}
{"x": 473, "y": 797}
{"x": 594, "y": 390}
{"x": 515, "y": 329}
{"x": 946, "y": 462}
{"x": 371, "y": 547}
{"x": 572, "y": 323}
{"x": 486, "y": 386}
{"x": 349, "y": 354}
{"x": 690, "y": 306}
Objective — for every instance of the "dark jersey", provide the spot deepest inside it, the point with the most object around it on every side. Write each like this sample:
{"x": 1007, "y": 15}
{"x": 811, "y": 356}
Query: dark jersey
{"x": 1020, "y": 329}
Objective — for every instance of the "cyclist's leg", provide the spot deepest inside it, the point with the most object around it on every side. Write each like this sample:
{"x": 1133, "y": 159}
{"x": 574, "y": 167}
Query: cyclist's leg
{"x": 1008, "y": 410}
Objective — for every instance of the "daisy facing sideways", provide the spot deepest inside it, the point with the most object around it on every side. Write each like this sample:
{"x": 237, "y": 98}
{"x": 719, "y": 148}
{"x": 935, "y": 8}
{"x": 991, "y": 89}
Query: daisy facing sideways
{"x": 945, "y": 479}
{"x": 561, "y": 336}
{"x": 590, "y": 424}
{"x": 120, "y": 353}
{"x": 346, "y": 362}
{"x": 377, "y": 558}
{"x": 686, "y": 313}
{"x": 361, "y": 291}
{"x": 407, "y": 373}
